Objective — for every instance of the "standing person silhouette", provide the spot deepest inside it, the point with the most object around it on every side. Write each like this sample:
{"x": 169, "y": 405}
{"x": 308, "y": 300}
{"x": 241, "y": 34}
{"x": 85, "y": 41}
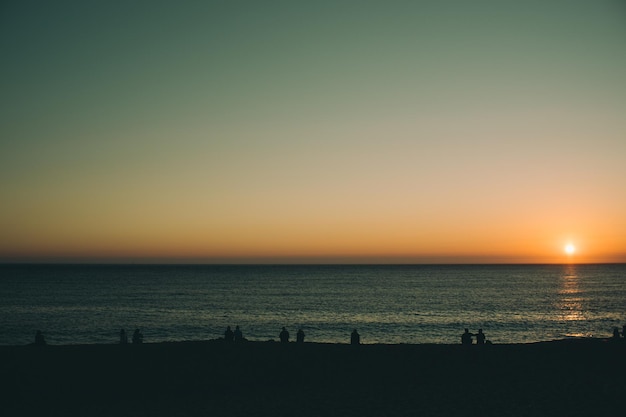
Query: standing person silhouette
{"x": 355, "y": 338}
{"x": 284, "y": 336}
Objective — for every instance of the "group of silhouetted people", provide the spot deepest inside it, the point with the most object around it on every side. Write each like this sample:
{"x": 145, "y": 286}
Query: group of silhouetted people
{"x": 284, "y": 336}
{"x": 229, "y": 336}
{"x": 233, "y": 336}
{"x": 355, "y": 338}
{"x": 237, "y": 336}
{"x": 466, "y": 338}
{"x": 137, "y": 337}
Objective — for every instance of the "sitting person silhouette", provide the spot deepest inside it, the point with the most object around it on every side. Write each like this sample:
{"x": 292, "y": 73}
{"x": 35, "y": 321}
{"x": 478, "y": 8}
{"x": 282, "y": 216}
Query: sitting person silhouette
{"x": 355, "y": 338}
{"x": 300, "y": 336}
{"x": 615, "y": 333}
{"x": 466, "y": 338}
{"x": 228, "y": 334}
{"x": 123, "y": 337}
{"x": 39, "y": 339}
{"x": 480, "y": 337}
{"x": 137, "y": 337}
{"x": 284, "y": 336}
{"x": 238, "y": 335}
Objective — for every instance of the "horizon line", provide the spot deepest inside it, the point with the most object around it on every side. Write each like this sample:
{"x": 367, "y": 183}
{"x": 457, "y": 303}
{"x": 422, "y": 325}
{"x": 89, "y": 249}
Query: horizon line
{"x": 169, "y": 263}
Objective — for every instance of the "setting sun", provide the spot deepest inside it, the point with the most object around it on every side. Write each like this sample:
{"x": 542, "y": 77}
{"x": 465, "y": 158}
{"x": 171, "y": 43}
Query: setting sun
{"x": 570, "y": 249}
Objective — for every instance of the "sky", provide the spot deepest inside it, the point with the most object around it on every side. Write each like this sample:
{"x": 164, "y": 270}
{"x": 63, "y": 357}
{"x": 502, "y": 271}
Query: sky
{"x": 313, "y": 132}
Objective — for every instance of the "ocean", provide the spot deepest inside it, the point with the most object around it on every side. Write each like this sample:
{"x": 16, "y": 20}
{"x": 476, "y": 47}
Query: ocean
{"x": 84, "y": 304}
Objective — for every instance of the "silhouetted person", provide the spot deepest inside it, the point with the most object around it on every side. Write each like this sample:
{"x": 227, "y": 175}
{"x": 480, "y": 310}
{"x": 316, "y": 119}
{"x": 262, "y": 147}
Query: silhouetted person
{"x": 228, "y": 334}
{"x": 300, "y": 336}
{"x": 624, "y": 331}
{"x": 615, "y": 333}
{"x": 39, "y": 339}
{"x": 466, "y": 338}
{"x": 355, "y": 338}
{"x": 137, "y": 337}
{"x": 284, "y": 336}
{"x": 123, "y": 337}
{"x": 480, "y": 337}
{"x": 238, "y": 335}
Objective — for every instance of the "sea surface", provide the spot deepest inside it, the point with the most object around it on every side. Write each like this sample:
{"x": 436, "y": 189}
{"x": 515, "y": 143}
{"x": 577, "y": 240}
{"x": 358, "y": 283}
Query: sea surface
{"x": 82, "y": 304}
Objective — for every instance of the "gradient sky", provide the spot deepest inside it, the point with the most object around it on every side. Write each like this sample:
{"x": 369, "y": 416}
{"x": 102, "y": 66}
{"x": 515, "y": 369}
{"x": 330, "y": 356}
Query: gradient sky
{"x": 313, "y": 131}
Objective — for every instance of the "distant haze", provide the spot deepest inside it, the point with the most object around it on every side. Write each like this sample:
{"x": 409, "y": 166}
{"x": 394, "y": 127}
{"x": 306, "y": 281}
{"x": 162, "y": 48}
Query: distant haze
{"x": 313, "y": 131}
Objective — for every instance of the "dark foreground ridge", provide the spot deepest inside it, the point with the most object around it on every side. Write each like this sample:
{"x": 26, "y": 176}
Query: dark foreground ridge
{"x": 561, "y": 378}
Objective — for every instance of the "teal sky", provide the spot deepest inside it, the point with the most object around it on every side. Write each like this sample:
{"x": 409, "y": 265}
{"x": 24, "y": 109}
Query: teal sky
{"x": 213, "y": 130}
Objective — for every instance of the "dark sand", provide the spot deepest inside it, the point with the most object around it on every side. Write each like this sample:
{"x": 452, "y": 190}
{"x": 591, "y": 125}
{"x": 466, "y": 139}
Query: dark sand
{"x": 561, "y": 378}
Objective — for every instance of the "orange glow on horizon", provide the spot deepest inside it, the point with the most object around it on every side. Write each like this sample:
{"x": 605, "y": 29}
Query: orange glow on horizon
{"x": 273, "y": 228}
{"x": 316, "y": 246}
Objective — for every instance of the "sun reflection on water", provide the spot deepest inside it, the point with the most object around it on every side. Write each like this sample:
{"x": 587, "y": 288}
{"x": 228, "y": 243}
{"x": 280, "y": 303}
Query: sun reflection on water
{"x": 570, "y": 300}
{"x": 570, "y": 296}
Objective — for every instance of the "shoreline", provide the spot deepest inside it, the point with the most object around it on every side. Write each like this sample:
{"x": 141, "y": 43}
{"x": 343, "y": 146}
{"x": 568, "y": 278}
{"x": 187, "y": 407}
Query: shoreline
{"x": 573, "y": 339}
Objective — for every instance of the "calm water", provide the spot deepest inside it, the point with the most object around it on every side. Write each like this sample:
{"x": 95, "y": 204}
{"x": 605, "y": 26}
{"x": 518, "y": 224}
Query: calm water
{"x": 393, "y": 304}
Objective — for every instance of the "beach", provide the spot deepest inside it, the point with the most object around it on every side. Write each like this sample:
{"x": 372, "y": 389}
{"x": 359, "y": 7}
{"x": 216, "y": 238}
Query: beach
{"x": 577, "y": 377}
